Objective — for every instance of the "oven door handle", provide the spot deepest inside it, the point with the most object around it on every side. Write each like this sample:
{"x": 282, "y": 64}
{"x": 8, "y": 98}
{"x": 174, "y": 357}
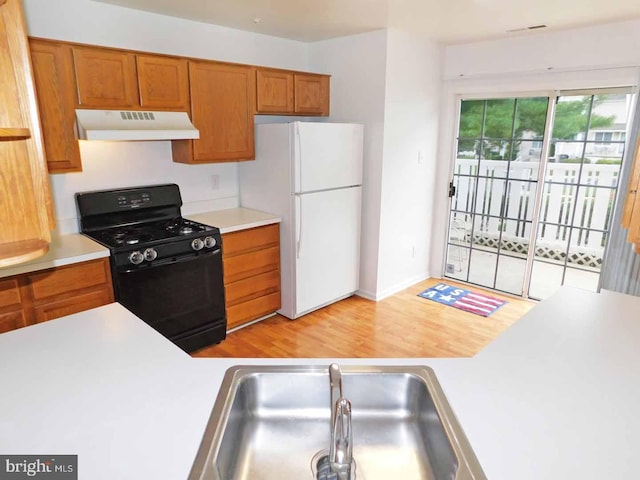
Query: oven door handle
{"x": 169, "y": 261}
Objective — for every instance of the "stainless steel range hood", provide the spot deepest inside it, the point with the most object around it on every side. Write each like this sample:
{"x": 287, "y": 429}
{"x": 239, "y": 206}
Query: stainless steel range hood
{"x": 134, "y": 125}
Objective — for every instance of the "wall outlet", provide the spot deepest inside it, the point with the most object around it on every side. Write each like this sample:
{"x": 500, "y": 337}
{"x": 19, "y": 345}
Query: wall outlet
{"x": 420, "y": 157}
{"x": 215, "y": 182}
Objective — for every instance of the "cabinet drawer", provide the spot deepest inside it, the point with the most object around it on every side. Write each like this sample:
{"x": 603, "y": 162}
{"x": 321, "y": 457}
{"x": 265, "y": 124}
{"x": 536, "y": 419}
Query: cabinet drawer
{"x": 252, "y": 239}
{"x": 70, "y": 278}
{"x": 76, "y": 304}
{"x": 9, "y": 293}
{"x": 250, "y": 264}
{"x": 11, "y": 321}
{"x": 253, "y": 309}
{"x": 252, "y": 287}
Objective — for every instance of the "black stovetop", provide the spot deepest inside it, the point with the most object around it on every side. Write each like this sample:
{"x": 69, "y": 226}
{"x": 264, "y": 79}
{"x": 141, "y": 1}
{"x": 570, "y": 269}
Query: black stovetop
{"x": 151, "y": 233}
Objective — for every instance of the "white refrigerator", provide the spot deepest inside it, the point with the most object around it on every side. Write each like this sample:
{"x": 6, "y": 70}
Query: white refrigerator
{"x": 310, "y": 174}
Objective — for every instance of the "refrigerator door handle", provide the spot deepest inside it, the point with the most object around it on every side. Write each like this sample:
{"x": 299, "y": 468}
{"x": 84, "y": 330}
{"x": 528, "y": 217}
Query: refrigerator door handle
{"x": 298, "y": 161}
{"x": 298, "y": 225}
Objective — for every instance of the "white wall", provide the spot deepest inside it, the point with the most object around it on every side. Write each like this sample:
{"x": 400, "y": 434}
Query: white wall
{"x": 112, "y": 164}
{"x": 358, "y": 65}
{"x": 611, "y": 45}
{"x": 541, "y": 63}
{"x": 409, "y": 159}
{"x": 390, "y": 81}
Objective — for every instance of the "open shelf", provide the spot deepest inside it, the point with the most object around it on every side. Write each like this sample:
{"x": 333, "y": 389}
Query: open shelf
{"x": 18, "y": 252}
{"x": 14, "y": 133}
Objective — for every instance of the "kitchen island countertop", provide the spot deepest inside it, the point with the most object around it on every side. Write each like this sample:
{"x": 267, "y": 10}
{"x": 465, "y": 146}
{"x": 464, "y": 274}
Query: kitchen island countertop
{"x": 553, "y": 398}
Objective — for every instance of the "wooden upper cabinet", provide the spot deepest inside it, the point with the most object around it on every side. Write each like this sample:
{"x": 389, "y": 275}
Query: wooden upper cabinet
{"x": 311, "y": 94}
{"x": 105, "y": 78}
{"x": 285, "y": 92}
{"x": 55, "y": 89}
{"x": 222, "y": 107}
{"x": 163, "y": 82}
{"x": 221, "y": 98}
{"x": 274, "y": 91}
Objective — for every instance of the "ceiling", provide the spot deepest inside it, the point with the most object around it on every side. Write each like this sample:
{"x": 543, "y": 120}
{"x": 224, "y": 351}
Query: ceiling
{"x": 448, "y": 21}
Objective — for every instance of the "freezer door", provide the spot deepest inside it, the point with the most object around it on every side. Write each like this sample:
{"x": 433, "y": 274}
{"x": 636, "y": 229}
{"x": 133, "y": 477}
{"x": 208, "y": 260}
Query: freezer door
{"x": 327, "y": 247}
{"x": 326, "y": 155}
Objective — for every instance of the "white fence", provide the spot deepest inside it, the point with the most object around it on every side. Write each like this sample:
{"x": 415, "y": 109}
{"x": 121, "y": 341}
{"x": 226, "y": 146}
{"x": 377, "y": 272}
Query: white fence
{"x": 507, "y": 206}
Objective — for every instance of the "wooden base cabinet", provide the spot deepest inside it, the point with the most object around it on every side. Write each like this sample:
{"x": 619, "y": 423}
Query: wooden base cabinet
{"x": 11, "y": 314}
{"x": 251, "y": 262}
{"x": 36, "y": 297}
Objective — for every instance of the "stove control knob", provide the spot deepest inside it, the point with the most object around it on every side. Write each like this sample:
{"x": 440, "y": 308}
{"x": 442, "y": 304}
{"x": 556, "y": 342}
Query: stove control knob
{"x": 136, "y": 258}
{"x": 210, "y": 242}
{"x": 197, "y": 244}
{"x": 150, "y": 254}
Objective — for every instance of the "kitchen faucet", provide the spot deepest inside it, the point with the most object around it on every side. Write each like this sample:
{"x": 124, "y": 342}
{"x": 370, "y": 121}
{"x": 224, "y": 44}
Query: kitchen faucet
{"x": 341, "y": 448}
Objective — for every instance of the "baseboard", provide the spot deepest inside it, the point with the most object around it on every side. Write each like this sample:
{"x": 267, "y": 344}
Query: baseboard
{"x": 377, "y": 296}
{"x": 367, "y": 295}
{"x": 250, "y": 323}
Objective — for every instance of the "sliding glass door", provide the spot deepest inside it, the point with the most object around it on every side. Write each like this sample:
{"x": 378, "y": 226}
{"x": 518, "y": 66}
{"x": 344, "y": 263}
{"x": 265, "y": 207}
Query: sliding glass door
{"x": 532, "y": 190}
{"x": 495, "y": 179}
{"x": 579, "y": 190}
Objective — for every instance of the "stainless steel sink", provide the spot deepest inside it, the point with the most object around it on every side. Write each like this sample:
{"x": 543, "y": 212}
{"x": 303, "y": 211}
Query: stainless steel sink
{"x": 273, "y": 423}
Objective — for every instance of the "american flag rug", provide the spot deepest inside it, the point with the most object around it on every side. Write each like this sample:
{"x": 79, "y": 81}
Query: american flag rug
{"x": 466, "y": 300}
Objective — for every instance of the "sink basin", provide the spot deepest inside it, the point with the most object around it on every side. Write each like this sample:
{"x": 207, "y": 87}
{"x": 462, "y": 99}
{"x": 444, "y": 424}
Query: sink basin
{"x": 273, "y": 422}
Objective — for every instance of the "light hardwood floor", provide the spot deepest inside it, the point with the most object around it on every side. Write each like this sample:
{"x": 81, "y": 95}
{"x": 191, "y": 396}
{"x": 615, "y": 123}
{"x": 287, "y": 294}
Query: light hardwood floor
{"x": 403, "y": 325}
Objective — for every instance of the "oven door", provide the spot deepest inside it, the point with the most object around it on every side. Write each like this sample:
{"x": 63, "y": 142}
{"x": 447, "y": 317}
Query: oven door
{"x": 182, "y": 299}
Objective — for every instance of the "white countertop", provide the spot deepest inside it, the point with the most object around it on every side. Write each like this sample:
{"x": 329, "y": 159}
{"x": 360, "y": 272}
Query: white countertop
{"x": 63, "y": 250}
{"x": 234, "y": 219}
{"x": 553, "y": 398}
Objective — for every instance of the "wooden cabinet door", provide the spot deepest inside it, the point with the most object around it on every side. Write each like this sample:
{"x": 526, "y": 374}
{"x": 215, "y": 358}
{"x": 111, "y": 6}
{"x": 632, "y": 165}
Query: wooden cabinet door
{"x": 274, "y": 91}
{"x": 12, "y": 320}
{"x": 222, "y": 106}
{"x": 631, "y": 212}
{"x": 105, "y": 78}
{"x": 74, "y": 304}
{"x": 311, "y": 94}
{"x": 11, "y": 313}
{"x": 163, "y": 82}
{"x": 56, "y": 92}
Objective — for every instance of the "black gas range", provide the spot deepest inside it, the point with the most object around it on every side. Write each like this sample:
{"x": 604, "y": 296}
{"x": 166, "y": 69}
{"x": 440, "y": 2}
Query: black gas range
{"x": 166, "y": 269}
